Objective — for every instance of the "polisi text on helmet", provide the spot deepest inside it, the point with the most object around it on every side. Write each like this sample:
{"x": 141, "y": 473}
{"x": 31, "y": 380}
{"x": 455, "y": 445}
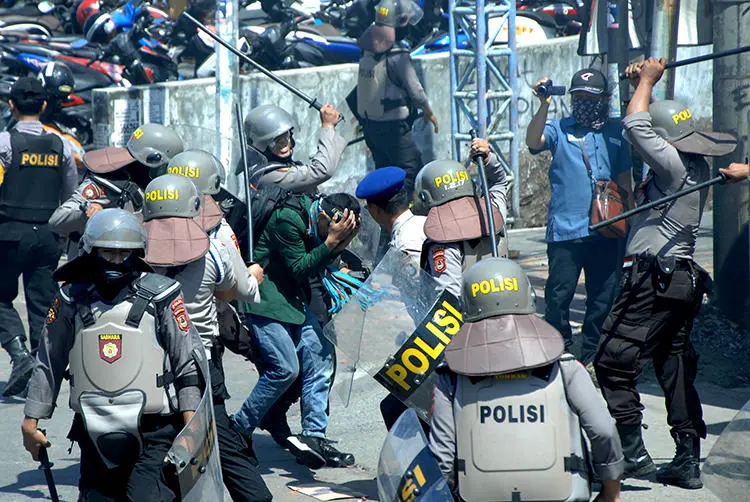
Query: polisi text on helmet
{"x": 494, "y": 285}
{"x": 164, "y": 194}
{"x": 187, "y": 171}
{"x": 138, "y": 133}
{"x": 682, "y": 115}
{"x": 452, "y": 179}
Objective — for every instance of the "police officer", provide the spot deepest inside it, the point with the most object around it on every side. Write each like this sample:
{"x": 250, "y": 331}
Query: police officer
{"x": 388, "y": 203}
{"x": 271, "y": 131}
{"x": 509, "y": 408}
{"x": 663, "y": 287}
{"x": 37, "y": 172}
{"x": 115, "y": 177}
{"x": 456, "y": 228}
{"x": 207, "y": 174}
{"x": 179, "y": 248}
{"x": 388, "y": 89}
{"x": 132, "y": 355}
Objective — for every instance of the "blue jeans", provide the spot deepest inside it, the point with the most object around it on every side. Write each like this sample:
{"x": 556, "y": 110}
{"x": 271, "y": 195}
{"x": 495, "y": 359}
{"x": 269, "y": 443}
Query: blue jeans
{"x": 288, "y": 350}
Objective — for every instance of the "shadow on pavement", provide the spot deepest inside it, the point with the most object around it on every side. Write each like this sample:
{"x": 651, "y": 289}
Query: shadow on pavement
{"x": 67, "y": 476}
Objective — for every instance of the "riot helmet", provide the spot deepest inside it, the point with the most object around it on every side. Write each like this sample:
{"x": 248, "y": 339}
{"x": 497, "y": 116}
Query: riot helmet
{"x": 171, "y": 196}
{"x": 201, "y": 167}
{"x": 441, "y": 181}
{"x": 266, "y": 123}
{"x": 495, "y": 287}
{"x": 398, "y": 13}
{"x": 673, "y": 121}
{"x": 113, "y": 229}
{"x": 154, "y": 145}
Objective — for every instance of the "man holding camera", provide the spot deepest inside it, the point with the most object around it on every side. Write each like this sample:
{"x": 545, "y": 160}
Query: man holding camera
{"x": 586, "y": 147}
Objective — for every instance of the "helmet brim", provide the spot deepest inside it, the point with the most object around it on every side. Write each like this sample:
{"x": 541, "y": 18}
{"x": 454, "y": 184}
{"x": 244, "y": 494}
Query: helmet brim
{"x": 460, "y": 220}
{"x": 211, "y": 214}
{"x": 710, "y": 143}
{"x": 107, "y": 160}
{"x": 174, "y": 241}
{"x": 503, "y": 344}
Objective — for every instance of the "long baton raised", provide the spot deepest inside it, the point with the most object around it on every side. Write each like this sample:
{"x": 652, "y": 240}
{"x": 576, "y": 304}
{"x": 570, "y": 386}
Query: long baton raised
{"x": 46, "y": 466}
{"x": 627, "y": 214}
{"x": 311, "y": 101}
{"x": 700, "y": 59}
{"x": 246, "y": 169}
{"x": 487, "y": 199}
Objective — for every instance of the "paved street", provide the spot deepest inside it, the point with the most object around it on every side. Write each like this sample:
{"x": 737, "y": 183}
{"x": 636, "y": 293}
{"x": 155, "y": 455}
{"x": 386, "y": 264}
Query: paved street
{"x": 358, "y": 427}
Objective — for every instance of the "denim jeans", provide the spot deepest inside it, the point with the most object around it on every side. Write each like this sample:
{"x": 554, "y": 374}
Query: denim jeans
{"x": 601, "y": 261}
{"x": 287, "y": 351}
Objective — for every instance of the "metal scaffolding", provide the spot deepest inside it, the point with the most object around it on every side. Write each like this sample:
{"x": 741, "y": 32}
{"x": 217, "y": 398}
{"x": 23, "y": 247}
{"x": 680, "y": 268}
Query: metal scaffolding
{"x": 483, "y": 81}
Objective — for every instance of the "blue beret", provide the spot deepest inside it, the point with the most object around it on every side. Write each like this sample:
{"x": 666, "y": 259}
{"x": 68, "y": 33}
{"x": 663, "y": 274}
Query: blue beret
{"x": 381, "y": 183}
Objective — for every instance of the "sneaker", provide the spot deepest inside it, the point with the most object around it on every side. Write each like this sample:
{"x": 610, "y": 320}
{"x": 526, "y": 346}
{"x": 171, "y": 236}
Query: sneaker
{"x": 308, "y": 450}
{"x": 335, "y": 458}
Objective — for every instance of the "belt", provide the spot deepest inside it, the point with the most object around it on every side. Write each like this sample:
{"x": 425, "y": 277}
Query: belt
{"x": 644, "y": 261}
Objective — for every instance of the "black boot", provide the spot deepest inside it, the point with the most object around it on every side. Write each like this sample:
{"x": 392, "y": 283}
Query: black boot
{"x": 23, "y": 366}
{"x": 684, "y": 469}
{"x": 276, "y": 424}
{"x": 638, "y": 463}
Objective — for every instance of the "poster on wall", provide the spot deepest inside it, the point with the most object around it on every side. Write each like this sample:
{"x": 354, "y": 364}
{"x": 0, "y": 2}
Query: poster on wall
{"x": 126, "y": 117}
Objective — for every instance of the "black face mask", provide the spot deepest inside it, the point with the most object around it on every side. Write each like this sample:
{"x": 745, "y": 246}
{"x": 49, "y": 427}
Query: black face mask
{"x": 110, "y": 278}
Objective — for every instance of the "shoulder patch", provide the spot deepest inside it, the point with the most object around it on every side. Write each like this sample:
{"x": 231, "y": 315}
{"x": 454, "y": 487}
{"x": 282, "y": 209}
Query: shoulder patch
{"x": 236, "y": 241}
{"x": 92, "y": 192}
{"x": 2, "y": 173}
{"x": 178, "y": 311}
{"x": 438, "y": 259}
{"x": 51, "y": 315}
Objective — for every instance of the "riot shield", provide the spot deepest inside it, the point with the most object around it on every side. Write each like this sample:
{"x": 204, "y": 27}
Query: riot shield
{"x": 726, "y": 471}
{"x": 407, "y": 471}
{"x": 395, "y": 329}
{"x": 195, "y": 452}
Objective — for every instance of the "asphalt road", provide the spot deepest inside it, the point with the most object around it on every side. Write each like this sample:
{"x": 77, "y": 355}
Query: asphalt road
{"x": 358, "y": 427}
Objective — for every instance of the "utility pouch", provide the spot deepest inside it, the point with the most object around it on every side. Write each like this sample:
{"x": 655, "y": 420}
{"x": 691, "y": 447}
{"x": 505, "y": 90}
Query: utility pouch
{"x": 671, "y": 283}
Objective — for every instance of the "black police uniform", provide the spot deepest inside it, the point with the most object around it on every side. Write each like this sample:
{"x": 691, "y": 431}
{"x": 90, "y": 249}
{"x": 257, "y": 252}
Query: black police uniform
{"x": 38, "y": 171}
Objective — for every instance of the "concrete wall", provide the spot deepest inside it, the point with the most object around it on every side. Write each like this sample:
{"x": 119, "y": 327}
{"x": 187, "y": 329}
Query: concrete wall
{"x": 191, "y": 106}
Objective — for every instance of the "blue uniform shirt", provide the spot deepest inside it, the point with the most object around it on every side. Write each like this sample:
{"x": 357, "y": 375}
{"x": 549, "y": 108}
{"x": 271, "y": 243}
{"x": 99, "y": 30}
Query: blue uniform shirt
{"x": 571, "y": 187}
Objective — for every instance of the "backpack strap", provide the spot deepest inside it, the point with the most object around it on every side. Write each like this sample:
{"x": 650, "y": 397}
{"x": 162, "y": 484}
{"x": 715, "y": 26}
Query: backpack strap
{"x": 149, "y": 288}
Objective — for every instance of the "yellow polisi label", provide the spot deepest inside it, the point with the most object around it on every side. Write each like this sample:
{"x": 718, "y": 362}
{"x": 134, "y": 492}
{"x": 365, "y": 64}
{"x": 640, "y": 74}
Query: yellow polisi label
{"x": 187, "y": 171}
{"x": 450, "y": 178}
{"x": 40, "y": 159}
{"x": 138, "y": 133}
{"x": 682, "y": 115}
{"x": 494, "y": 286}
{"x": 165, "y": 194}
{"x": 382, "y": 11}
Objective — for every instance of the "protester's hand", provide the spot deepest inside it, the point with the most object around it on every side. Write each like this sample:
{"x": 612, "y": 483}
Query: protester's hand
{"x": 480, "y": 146}
{"x": 431, "y": 117}
{"x": 329, "y": 116}
{"x": 535, "y": 91}
{"x": 33, "y": 438}
{"x": 92, "y": 209}
{"x": 735, "y": 172}
{"x": 342, "y": 230}
{"x": 257, "y": 272}
{"x": 652, "y": 70}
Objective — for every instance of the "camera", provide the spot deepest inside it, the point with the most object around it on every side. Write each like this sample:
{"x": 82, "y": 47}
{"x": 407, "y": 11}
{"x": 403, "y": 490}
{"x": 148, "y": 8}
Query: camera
{"x": 549, "y": 89}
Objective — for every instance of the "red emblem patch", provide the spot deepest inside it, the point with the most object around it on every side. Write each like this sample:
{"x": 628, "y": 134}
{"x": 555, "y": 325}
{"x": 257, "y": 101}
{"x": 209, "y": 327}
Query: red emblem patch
{"x": 92, "y": 192}
{"x": 180, "y": 315}
{"x": 236, "y": 242}
{"x": 110, "y": 347}
{"x": 438, "y": 259}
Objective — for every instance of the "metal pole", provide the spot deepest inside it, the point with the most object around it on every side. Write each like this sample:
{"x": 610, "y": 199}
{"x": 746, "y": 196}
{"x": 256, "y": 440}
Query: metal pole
{"x": 226, "y": 78}
{"x": 246, "y": 180}
{"x": 515, "y": 201}
{"x": 481, "y": 62}
{"x": 454, "y": 67}
{"x": 658, "y": 202}
{"x": 487, "y": 200}
{"x": 664, "y": 42}
{"x": 731, "y": 255}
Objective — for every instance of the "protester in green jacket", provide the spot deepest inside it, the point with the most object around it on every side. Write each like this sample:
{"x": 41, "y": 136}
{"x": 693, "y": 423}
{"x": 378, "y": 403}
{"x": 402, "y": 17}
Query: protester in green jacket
{"x": 299, "y": 241}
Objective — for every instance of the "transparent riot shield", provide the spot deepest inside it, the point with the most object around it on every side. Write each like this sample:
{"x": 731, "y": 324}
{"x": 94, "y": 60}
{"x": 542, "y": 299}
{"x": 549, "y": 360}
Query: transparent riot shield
{"x": 726, "y": 471}
{"x": 407, "y": 470}
{"x": 395, "y": 329}
{"x": 195, "y": 452}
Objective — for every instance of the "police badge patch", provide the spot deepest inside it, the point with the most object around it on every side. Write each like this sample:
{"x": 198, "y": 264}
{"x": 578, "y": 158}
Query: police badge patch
{"x": 180, "y": 315}
{"x": 438, "y": 259}
{"x": 91, "y": 192}
{"x": 51, "y": 315}
{"x": 110, "y": 347}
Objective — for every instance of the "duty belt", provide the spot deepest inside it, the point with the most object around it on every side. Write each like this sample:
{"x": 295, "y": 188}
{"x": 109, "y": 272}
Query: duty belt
{"x": 643, "y": 262}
